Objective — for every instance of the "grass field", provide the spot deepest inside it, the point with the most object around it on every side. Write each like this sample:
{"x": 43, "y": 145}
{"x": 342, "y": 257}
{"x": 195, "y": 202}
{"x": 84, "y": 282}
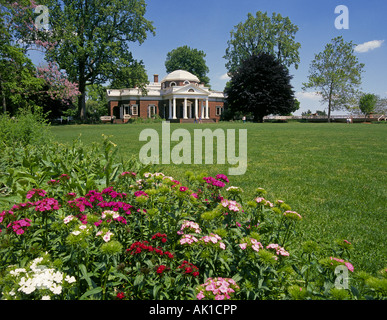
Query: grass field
{"x": 334, "y": 175}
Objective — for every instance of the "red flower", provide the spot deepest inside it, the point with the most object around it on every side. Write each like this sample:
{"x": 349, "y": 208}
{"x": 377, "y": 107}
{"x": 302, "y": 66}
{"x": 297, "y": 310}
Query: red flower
{"x": 188, "y": 270}
{"x": 160, "y": 269}
{"x": 120, "y": 295}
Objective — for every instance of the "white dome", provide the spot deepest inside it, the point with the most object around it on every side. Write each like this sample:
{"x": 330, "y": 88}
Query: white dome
{"x": 181, "y": 75}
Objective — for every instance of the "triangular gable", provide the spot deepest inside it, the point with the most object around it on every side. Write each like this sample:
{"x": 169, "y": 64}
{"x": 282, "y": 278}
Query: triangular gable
{"x": 189, "y": 87}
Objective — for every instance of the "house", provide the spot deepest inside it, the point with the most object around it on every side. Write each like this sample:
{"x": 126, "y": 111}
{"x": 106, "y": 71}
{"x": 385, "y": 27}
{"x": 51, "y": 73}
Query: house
{"x": 179, "y": 97}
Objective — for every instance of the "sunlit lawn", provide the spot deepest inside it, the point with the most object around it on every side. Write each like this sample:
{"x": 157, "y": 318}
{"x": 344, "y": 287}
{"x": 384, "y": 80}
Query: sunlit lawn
{"x": 334, "y": 175}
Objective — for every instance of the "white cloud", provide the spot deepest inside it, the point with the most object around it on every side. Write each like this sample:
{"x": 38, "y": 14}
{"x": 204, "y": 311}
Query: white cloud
{"x": 225, "y": 77}
{"x": 368, "y": 46}
{"x": 308, "y": 95}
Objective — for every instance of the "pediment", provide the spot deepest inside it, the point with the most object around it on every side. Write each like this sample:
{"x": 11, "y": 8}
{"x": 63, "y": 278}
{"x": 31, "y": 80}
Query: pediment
{"x": 191, "y": 89}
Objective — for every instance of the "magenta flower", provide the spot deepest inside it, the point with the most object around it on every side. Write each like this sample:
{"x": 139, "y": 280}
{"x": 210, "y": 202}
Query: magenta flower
{"x": 140, "y": 193}
{"x": 222, "y": 177}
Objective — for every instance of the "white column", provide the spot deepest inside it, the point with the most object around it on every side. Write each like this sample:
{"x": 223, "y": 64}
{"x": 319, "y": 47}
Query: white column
{"x": 207, "y": 113}
{"x": 170, "y": 109}
{"x": 185, "y": 109}
{"x": 174, "y": 108}
{"x": 202, "y": 110}
{"x": 196, "y": 109}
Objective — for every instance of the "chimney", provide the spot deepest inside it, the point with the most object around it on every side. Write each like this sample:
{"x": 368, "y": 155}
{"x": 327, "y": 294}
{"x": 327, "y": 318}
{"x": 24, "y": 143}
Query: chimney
{"x": 156, "y": 78}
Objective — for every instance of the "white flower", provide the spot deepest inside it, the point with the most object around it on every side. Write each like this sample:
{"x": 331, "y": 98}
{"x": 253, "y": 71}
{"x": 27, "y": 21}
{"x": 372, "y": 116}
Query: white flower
{"x": 17, "y": 271}
{"x": 56, "y": 289}
{"x": 46, "y": 298}
{"x": 70, "y": 279}
{"x": 75, "y": 233}
{"x": 107, "y": 236}
{"x": 68, "y": 219}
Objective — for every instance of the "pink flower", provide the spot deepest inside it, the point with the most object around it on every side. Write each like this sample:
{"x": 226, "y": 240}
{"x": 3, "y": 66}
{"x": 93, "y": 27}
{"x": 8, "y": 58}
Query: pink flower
{"x": 349, "y": 266}
{"x": 200, "y": 295}
{"x": 243, "y": 246}
{"x": 219, "y": 297}
{"x": 183, "y": 189}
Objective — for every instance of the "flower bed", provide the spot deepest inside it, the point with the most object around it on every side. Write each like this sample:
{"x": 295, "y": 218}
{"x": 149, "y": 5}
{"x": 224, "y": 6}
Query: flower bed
{"x": 149, "y": 236}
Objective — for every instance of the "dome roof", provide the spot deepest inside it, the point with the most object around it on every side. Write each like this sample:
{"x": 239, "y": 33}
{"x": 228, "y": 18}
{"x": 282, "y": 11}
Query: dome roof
{"x": 181, "y": 75}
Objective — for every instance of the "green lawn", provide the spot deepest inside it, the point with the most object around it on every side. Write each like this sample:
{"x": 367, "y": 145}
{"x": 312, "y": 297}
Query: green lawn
{"x": 334, "y": 175}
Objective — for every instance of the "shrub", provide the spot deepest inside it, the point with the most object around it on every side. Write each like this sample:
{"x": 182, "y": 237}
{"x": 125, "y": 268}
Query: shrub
{"x": 27, "y": 127}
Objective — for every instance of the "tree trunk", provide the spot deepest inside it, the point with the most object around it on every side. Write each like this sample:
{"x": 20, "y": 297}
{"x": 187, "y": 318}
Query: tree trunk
{"x": 82, "y": 100}
{"x": 329, "y": 110}
{"x": 330, "y": 103}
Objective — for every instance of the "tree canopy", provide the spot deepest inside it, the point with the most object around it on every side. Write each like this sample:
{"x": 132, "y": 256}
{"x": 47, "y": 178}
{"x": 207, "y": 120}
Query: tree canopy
{"x": 261, "y": 86}
{"x": 188, "y": 59}
{"x": 367, "y": 103}
{"x": 90, "y": 38}
{"x": 336, "y": 74}
{"x": 262, "y": 34}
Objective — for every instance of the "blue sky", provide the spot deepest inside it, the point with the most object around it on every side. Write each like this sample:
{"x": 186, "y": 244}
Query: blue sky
{"x": 206, "y": 25}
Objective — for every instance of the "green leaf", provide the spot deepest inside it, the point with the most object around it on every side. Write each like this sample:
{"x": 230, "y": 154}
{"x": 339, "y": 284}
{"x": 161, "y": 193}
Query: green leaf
{"x": 91, "y": 292}
{"x": 85, "y": 275}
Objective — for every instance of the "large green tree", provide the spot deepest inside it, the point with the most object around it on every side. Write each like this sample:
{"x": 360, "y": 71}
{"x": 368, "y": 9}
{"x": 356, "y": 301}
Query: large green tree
{"x": 367, "y": 103}
{"x": 261, "y": 86}
{"x": 273, "y": 35}
{"x": 18, "y": 81}
{"x": 129, "y": 74}
{"x": 89, "y": 38}
{"x": 336, "y": 74}
{"x": 188, "y": 59}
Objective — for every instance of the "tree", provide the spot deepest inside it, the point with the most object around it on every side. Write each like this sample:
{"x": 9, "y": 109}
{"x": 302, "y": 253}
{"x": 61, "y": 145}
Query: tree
{"x": 17, "y": 72}
{"x": 18, "y": 81}
{"x": 87, "y": 38}
{"x": 188, "y": 59}
{"x": 129, "y": 75}
{"x": 262, "y": 34}
{"x": 367, "y": 104}
{"x": 261, "y": 85}
{"x": 336, "y": 74}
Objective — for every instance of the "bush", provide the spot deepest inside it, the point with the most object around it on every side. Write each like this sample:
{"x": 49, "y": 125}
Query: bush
{"x": 116, "y": 230}
{"x": 28, "y": 127}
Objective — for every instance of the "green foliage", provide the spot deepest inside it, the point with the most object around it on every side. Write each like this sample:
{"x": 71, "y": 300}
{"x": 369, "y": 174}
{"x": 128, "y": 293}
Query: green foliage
{"x": 27, "y": 127}
{"x": 18, "y": 81}
{"x": 261, "y": 85}
{"x": 367, "y": 103}
{"x": 188, "y": 59}
{"x": 115, "y": 230}
{"x": 129, "y": 75}
{"x": 262, "y": 34}
{"x": 92, "y": 38}
{"x": 336, "y": 74}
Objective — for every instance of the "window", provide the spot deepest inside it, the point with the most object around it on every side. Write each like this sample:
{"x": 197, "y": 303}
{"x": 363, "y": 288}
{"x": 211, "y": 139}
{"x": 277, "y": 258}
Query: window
{"x": 219, "y": 110}
{"x": 151, "y": 111}
{"x": 191, "y": 90}
{"x": 126, "y": 109}
{"x": 134, "y": 110}
{"x": 186, "y": 82}
{"x": 173, "y": 84}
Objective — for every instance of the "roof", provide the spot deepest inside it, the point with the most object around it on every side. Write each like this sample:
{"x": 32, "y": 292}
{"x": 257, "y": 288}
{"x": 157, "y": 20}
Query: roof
{"x": 181, "y": 75}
